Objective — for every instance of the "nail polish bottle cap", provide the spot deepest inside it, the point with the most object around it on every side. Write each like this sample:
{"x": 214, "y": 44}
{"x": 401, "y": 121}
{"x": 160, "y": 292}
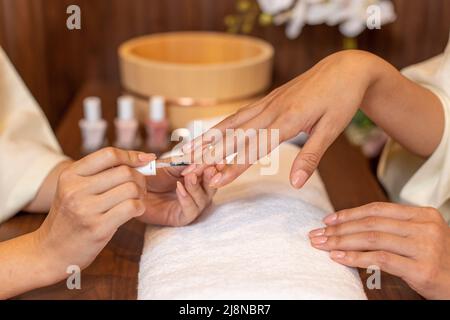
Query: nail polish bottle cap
{"x": 157, "y": 108}
{"x": 92, "y": 109}
{"x": 125, "y": 105}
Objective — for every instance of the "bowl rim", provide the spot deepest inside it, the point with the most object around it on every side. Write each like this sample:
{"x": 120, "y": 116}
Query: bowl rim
{"x": 266, "y": 54}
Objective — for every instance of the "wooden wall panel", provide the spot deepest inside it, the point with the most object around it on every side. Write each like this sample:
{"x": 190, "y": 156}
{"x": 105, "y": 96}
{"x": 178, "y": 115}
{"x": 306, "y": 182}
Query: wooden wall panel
{"x": 22, "y": 34}
{"x": 55, "y": 61}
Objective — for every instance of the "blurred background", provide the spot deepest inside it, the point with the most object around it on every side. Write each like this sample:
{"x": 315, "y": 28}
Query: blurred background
{"x": 55, "y": 62}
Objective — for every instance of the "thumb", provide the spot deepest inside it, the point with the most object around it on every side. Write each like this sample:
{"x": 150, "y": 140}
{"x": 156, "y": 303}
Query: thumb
{"x": 309, "y": 157}
{"x": 108, "y": 158}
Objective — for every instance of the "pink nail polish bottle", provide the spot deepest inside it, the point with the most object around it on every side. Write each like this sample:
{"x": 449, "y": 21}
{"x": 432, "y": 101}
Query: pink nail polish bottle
{"x": 126, "y": 124}
{"x": 93, "y": 127}
{"x": 157, "y": 125}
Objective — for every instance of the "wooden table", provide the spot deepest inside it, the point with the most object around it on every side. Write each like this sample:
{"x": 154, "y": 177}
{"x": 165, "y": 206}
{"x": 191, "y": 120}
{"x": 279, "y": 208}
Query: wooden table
{"x": 113, "y": 275}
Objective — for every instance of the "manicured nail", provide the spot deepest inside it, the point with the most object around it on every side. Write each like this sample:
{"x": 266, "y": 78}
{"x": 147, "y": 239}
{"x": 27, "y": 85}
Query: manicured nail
{"x": 146, "y": 157}
{"x": 330, "y": 219}
{"x": 189, "y": 169}
{"x": 216, "y": 180}
{"x": 299, "y": 178}
{"x": 317, "y": 233}
{"x": 194, "y": 179}
{"x": 319, "y": 240}
{"x": 181, "y": 189}
{"x": 337, "y": 255}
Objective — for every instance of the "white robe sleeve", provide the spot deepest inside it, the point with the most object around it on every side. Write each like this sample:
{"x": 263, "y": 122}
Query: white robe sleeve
{"x": 28, "y": 148}
{"x": 410, "y": 179}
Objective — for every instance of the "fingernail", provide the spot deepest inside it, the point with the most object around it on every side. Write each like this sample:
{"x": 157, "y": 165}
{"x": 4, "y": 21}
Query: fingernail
{"x": 299, "y": 179}
{"x": 146, "y": 157}
{"x": 194, "y": 179}
{"x": 319, "y": 240}
{"x": 181, "y": 189}
{"x": 330, "y": 219}
{"x": 216, "y": 180}
{"x": 317, "y": 233}
{"x": 337, "y": 254}
{"x": 189, "y": 169}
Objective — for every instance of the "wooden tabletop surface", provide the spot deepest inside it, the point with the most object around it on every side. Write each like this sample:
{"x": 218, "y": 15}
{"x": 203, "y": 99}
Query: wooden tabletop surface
{"x": 113, "y": 275}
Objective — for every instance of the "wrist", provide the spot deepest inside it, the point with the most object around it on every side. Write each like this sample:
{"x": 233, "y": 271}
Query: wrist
{"x": 49, "y": 267}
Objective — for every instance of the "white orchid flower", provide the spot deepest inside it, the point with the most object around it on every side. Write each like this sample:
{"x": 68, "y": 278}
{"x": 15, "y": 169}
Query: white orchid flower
{"x": 273, "y": 7}
{"x": 350, "y": 15}
{"x": 298, "y": 20}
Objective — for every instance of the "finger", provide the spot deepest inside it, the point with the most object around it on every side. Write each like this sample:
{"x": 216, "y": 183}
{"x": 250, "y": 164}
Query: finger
{"x": 309, "y": 157}
{"x": 242, "y": 141}
{"x": 113, "y": 197}
{"x": 207, "y": 179}
{"x": 376, "y": 209}
{"x": 189, "y": 209}
{"x": 122, "y": 213}
{"x": 380, "y": 224}
{"x": 391, "y": 263}
{"x": 112, "y": 178}
{"x": 194, "y": 188}
{"x": 250, "y": 149}
{"x": 235, "y": 120}
{"x": 108, "y": 158}
{"x": 366, "y": 241}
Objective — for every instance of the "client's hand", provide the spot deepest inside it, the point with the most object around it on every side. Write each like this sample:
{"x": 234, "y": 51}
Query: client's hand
{"x": 176, "y": 201}
{"x": 313, "y": 102}
{"x": 94, "y": 197}
{"x": 410, "y": 242}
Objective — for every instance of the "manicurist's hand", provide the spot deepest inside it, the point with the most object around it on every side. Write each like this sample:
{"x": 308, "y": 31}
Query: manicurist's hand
{"x": 94, "y": 197}
{"x": 322, "y": 102}
{"x": 409, "y": 242}
{"x": 174, "y": 200}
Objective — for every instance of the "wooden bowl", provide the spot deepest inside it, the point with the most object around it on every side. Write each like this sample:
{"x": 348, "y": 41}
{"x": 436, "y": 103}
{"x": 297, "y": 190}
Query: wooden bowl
{"x": 199, "y": 65}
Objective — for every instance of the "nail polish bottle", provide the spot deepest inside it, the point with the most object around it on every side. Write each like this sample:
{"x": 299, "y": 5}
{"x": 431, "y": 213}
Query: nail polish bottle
{"x": 93, "y": 127}
{"x": 157, "y": 125}
{"x": 126, "y": 124}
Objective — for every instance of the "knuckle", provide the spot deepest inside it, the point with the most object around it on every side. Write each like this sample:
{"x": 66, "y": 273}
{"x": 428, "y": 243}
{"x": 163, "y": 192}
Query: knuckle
{"x": 335, "y": 242}
{"x": 66, "y": 176}
{"x": 133, "y": 189}
{"x": 88, "y": 224}
{"x": 311, "y": 160}
{"x": 110, "y": 153}
{"x": 126, "y": 172}
{"x": 382, "y": 259}
{"x": 333, "y": 230}
{"x": 373, "y": 237}
{"x": 343, "y": 215}
{"x": 376, "y": 207}
{"x": 135, "y": 207}
{"x": 371, "y": 222}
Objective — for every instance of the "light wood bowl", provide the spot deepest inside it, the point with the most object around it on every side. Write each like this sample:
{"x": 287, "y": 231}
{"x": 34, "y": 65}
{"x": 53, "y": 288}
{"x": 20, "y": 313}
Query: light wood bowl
{"x": 198, "y": 65}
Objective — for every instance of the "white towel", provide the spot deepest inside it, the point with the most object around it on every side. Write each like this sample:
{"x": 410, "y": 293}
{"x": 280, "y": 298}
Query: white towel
{"x": 251, "y": 244}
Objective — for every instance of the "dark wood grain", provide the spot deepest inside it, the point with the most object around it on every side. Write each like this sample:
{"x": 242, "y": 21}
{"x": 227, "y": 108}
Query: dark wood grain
{"x": 113, "y": 275}
{"x": 55, "y": 62}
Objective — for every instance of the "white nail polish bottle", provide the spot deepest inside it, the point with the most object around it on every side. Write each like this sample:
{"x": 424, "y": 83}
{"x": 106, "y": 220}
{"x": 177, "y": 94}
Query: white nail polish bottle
{"x": 126, "y": 124}
{"x": 93, "y": 127}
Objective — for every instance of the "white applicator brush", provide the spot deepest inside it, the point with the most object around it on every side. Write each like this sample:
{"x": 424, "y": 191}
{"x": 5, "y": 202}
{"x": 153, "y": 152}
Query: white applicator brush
{"x": 150, "y": 169}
